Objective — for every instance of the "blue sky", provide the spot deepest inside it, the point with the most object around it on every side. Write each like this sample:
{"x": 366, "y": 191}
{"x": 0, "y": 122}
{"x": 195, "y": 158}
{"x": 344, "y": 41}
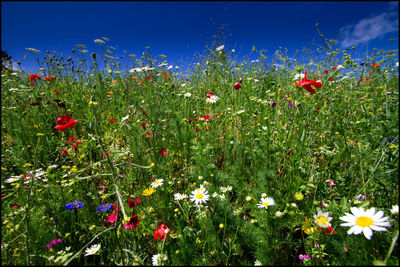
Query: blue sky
{"x": 180, "y": 29}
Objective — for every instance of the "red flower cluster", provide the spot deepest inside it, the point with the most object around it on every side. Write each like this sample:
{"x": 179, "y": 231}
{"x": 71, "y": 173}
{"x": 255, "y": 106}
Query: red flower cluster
{"x": 205, "y": 117}
{"x": 209, "y": 94}
{"x": 143, "y": 125}
{"x": 57, "y": 91}
{"x": 49, "y": 78}
{"x": 307, "y": 84}
{"x": 65, "y": 122}
{"x": 112, "y": 120}
{"x": 34, "y": 77}
{"x": 159, "y": 233}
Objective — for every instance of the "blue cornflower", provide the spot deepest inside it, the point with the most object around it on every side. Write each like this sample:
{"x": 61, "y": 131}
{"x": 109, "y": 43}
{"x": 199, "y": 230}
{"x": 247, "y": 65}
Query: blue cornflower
{"x": 74, "y": 205}
{"x": 104, "y": 207}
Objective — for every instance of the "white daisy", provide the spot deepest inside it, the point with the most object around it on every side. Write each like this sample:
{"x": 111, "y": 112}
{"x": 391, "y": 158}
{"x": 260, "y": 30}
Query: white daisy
{"x": 158, "y": 259}
{"x": 157, "y": 183}
{"x": 188, "y": 94}
{"x": 12, "y": 179}
{"x": 364, "y": 221}
{"x": 219, "y": 48}
{"x": 92, "y": 250}
{"x": 212, "y": 99}
{"x": 395, "y": 209}
{"x": 322, "y": 219}
{"x": 179, "y": 196}
{"x": 266, "y": 202}
{"x": 199, "y": 196}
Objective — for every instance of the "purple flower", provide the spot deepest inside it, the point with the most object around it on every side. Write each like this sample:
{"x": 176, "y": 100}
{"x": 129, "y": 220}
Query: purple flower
{"x": 268, "y": 100}
{"x": 291, "y": 104}
{"x": 104, "y": 207}
{"x": 53, "y": 243}
{"x": 305, "y": 256}
{"x": 74, "y": 205}
{"x": 331, "y": 182}
{"x": 274, "y": 103}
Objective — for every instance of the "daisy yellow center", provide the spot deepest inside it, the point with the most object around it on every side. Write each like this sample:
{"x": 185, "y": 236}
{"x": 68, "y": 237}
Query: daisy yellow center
{"x": 322, "y": 219}
{"x": 199, "y": 196}
{"x": 265, "y": 204}
{"x": 157, "y": 182}
{"x": 364, "y": 221}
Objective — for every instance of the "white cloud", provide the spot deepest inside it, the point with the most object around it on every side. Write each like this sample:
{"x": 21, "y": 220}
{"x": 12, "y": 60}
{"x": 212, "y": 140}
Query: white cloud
{"x": 370, "y": 28}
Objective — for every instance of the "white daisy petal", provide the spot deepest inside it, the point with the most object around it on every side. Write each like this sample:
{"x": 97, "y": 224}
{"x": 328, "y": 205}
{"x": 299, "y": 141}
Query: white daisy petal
{"x": 358, "y": 230}
{"x": 367, "y": 232}
{"x": 377, "y": 228}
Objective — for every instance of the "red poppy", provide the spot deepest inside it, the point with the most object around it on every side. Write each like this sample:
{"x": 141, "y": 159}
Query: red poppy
{"x": 205, "y": 117}
{"x": 307, "y": 84}
{"x": 57, "y": 91}
{"x": 112, "y": 120}
{"x": 133, "y": 203}
{"x": 34, "y": 77}
{"x": 49, "y": 78}
{"x": 237, "y": 86}
{"x": 326, "y": 71}
{"x": 75, "y": 146}
{"x": 143, "y": 125}
{"x": 166, "y": 75}
{"x": 196, "y": 129}
{"x": 162, "y": 152}
{"x": 148, "y": 134}
{"x": 159, "y": 233}
{"x": 209, "y": 94}
{"x": 134, "y": 221}
{"x": 144, "y": 112}
{"x": 71, "y": 139}
{"x": 331, "y": 79}
{"x": 105, "y": 156}
{"x": 375, "y": 65}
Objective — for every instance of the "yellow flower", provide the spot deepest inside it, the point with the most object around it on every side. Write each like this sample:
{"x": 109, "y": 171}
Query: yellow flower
{"x": 221, "y": 225}
{"x": 148, "y": 191}
{"x": 110, "y": 93}
{"x": 299, "y": 196}
{"x": 92, "y": 227}
{"x": 67, "y": 234}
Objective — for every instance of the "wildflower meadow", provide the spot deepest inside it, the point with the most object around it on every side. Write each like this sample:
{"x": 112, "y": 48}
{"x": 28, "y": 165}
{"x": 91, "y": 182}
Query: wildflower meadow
{"x": 109, "y": 160}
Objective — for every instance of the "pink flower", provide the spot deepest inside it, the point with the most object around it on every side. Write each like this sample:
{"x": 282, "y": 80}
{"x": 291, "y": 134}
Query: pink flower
{"x": 331, "y": 182}
{"x": 305, "y": 256}
{"x": 162, "y": 152}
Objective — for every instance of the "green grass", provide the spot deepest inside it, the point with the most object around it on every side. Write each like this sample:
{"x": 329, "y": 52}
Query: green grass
{"x": 254, "y": 143}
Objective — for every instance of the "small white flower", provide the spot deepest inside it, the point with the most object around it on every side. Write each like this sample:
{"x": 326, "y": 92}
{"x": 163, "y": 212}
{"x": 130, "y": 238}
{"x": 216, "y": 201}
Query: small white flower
{"x": 200, "y": 177}
{"x": 264, "y": 127}
{"x": 322, "y": 219}
{"x": 188, "y": 94}
{"x": 278, "y": 214}
{"x": 233, "y": 50}
{"x": 248, "y": 198}
{"x": 266, "y": 202}
{"x": 99, "y": 41}
{"x": 364, "y": 221}
{"x": 264, "y": 195}
{"x": 33, "y": 50}
{"x": 257, "y": 263}
{"x": 52, "y": 166}
{"x": 294, "y": 205}
{"x": 212, "y": 99}
{"x": 92, "y": 250}
{"x": 299, "y": 76}
{"x": 179, "y": 196}
{"x": 157, "y": 183}
{"x": 158, "y": 259}
{"x": 170, "y": 67}
{"x": 395, "y": 209}
{"x": 339, "y": 67}
{"x": 199, "y": 196}
{"x": 219, "y": 48}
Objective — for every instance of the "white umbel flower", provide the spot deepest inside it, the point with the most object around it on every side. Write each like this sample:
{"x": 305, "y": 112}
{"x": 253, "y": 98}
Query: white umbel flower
{"x": 158, "y": 259}
{"x": 322, "y": 219}
{"x": 266, "y": 202}
{"x": 157, "y": 183}
{"x": 92, "y": 250}
{"x": 299, "y": 76}
{"x": 364, "y": 221}
{"x": 199, "y": 196}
